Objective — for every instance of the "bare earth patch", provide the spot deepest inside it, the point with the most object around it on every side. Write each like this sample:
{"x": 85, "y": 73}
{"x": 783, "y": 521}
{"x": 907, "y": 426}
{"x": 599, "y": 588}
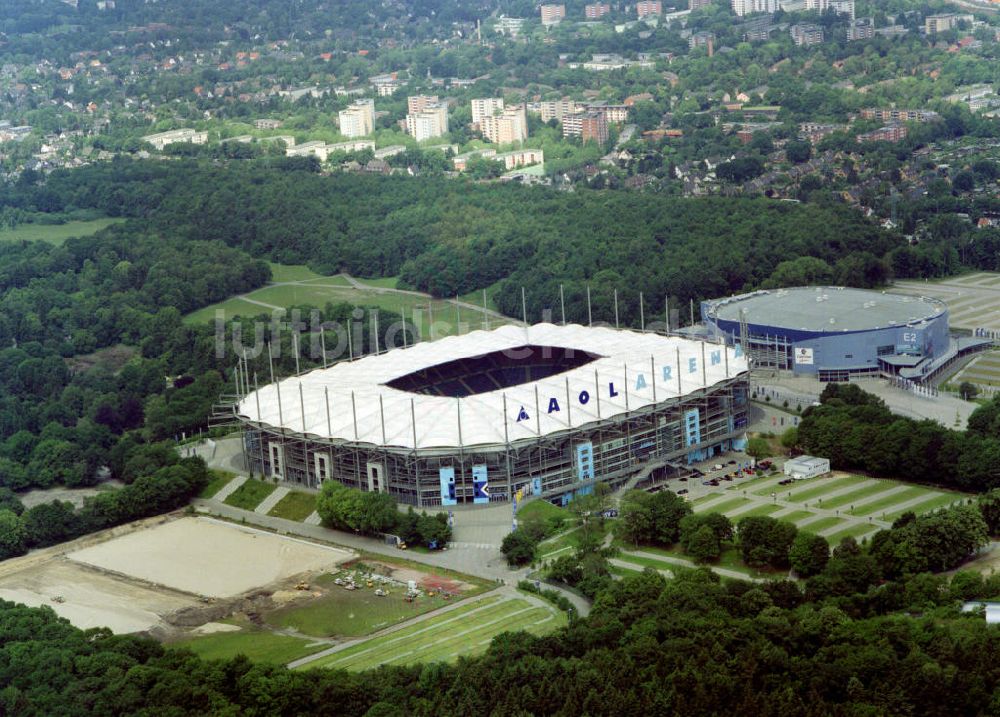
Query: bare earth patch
{"x": 206, "y": 557}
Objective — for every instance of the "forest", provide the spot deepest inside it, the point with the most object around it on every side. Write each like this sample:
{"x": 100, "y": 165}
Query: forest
{"x": 451, "y": 237}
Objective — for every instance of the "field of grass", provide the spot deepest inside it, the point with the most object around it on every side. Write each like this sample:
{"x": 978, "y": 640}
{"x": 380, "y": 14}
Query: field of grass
{"x": 931, "y": 504}
{"x": 257, "y": 645}
{"x": 295, "y": 506}
{"x": 231, "y": 308}
{"x": 815, "y": 488}
{"x": 55, "y": 233}
{"x": 219, "y": 479}
{"x": 466, "y": 630}
{"x": 879, "y": 506}
{"x": 249, "y": 495}
{"x": 866, "y": 491}
{"x": 795, "y": 515}
{"x": 543, "y": 509}
{"x": 722, "y": 507}
{"x": 352, "y": 613}
{"x": 563, "y": 544}
{"x": 760, "y": 510}
{"x": 817, "y": 526}
{"x": 730, "y": 558}
{"x": 855, "y": 531}
{"x": 386, "y": 282}
{"x": 292, "y": 272}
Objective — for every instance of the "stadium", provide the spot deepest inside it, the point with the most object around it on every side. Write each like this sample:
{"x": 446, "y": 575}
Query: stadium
{"x": 548, "y": 410}
{"x": 836, "y": 333}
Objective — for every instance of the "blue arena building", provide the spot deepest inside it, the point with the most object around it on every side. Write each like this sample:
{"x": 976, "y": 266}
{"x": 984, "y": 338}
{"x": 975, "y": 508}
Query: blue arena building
{"x": 836, "y": 333}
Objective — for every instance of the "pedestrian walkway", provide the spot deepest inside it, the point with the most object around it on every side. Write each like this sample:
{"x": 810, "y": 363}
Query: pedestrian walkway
{"x": 313, "y": 519}
{"x": 272, "y": 500}
{"x": 229, "y": 488}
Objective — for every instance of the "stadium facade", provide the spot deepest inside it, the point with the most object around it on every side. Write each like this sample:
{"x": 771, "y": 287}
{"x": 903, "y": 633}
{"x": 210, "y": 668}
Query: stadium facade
{"x": 547, "y": 410}
{"x": 836, "y": 333}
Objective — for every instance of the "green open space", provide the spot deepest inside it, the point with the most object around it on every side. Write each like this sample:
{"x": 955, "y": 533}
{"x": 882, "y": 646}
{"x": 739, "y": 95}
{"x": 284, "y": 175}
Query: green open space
{"x": 752, "y": 484}
{"x": 730, "y": 558}
{"x": 216, "y": 482}
{"x": 249, "y": 495}
{"x": 795, "y": 515}
{"x": 386, "y": 282}
{"x": 542, "y": 509}
{"x": 855, "y": 531}
{"x": 295, "y": 506}
{"x": 463, "y": 631}
{"x": 763, "y": 509}
{"x": 863, "y": 491}
{"x": 897, "y": 498}
{"x": 230, "y": 308}
{"x": 820, "y": 487}
{"x": 563, "y": 543}
{"x": 352, "y": 613}
{"x": 933, "y": 502}
{"x": 292, "y": 272}
{"x": 822, "y": 524}
{"x": 256, "y": 644}
{"x": 55, "y": 233}
{"x": 722, "y": 506}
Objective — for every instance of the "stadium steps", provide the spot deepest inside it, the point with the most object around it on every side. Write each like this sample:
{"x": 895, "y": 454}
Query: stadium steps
{"x": 229, "y": 488}
{"x": 272, "y": 500}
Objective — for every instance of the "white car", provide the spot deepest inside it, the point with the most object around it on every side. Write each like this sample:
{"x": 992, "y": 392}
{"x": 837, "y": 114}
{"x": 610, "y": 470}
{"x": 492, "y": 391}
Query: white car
{"x": 718, "y": 467}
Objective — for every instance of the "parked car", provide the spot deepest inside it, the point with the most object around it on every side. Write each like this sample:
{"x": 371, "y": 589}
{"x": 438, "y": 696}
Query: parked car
{"x": 682, "y": 491}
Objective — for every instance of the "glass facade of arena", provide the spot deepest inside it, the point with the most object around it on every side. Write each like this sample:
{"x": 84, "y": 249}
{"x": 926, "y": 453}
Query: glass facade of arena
{"x": 695, "y": 427}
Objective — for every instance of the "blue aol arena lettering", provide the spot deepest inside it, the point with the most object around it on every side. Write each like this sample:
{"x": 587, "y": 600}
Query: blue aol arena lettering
{"x": 641, "y": 383}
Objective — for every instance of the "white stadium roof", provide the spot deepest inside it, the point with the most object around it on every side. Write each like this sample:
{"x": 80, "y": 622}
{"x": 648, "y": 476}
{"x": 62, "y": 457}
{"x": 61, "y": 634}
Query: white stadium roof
{"x": 325, "y": 408}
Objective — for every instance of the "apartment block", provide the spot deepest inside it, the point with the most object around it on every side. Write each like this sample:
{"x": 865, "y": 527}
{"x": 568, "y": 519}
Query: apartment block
{"x": 162, "y": 139}
{"x": 748, "y": 7}
{"x": 892, "y": 114}
{"x": 596, "y": 11}
{"x": 695, "y": 4}
{"x": 862, "y": 29}
{"x": 557, "y": 109}
{"x": 841, "y": 7}
{"x": 507, "y": 127}
{"x": 552, "y": 14}
{"x": 934, "y": 24}
{"x": 415, "y": 104}
{"x": 358, "y": 120}
{"x": 521, "y": 158}
{"x": 588, "y": 126}
{"x": 804, "y": 35}
{"x": 648, "y": 8}
{"x": 889, "y": 133}
{"x": 485, "y": 107}
{"x": 430, "y": 122}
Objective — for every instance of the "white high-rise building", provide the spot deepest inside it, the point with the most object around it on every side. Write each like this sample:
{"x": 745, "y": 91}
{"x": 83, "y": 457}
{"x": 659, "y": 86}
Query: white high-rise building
{"x": 841, "y": 7}
{"x": 432, "y": 121}
{"x": 485, "y": 107}
{"x": 748, "y": 7}
{"x": 358, "y": 120}
{"x": 506, "y": 128}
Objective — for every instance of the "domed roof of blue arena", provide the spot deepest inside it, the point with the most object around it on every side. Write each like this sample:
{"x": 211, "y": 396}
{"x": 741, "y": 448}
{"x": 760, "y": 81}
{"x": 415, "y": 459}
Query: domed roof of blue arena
{"x": 825, "y": 309}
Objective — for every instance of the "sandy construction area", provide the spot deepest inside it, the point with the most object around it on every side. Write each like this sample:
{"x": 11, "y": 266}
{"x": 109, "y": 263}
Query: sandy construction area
{"x": 89, "y": 598}
{"x": 207, "y": 557}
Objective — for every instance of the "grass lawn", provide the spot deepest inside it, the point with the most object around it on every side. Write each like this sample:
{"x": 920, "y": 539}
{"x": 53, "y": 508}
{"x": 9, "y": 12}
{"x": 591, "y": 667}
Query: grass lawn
{"x": 295, "y": 506}
{"x": 730, "y": 558}
{"x": 542, "y": 509}
{"x": 934, "y": 502}
{"x": 760, "y": 510}
{"x": 863, "y": 492}
{"x": 795, "y": 515}
{"x": 476, "y": 297}
{"x": 231, "y": 308}
{"x": 352, "y": 613}
{"x": 752, "y": 484}
{"x": 249, "y": 495}
{"x": 623, "y": 572}
{"x": 55, "y": 233}
{"x": 722, "y": 506}
{"x": 386, "y": 282}
{"x": 879, "y": 506}
{"x": 821, "y": 488}
{"x": 258, "y": 645}
{"x": 465, "y": 630}
{"x": 855, "y": 531}
{"x": 563, "y": 544}
{"x": 218, "y": 479}
{"x": 822, "y": 524}
{"x": 292, "y": 272}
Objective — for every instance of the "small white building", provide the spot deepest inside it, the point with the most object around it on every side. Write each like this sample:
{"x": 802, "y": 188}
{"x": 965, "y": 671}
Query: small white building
{"x": 990, "y": 609}
{"x": 807, "y": 467}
